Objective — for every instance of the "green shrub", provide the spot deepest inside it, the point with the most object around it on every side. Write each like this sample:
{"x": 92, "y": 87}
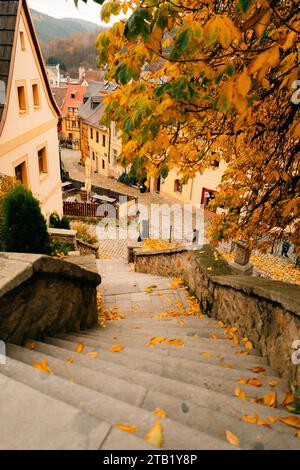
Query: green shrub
{"x": 59, "y": 250}
{"x": 56, "y": 222}
{"x": 24, "y": 229}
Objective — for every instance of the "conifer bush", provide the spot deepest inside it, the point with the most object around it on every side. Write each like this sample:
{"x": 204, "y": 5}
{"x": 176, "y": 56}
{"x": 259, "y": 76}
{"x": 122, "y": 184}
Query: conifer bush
{"x": 24, "y": 228}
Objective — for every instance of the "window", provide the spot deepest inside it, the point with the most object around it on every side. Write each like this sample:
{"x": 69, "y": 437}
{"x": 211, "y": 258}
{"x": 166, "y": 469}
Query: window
{"x": 22, "y": 99}
{"x": 36, "y": 96}
{"x": 115, "y": 130}
{"x": 97, "y": 137}
{"x": 115, "y": 157}
{"x": 21, "y": 173}
{"x": 73, "y": 95}
{"x": 42, "y": 159}
{"x": 74, "y": 124}
{"x": 94, "y": 158}
{"x": 103, "y": 164}
{"x": 103, "y": 141}
{"x": 72, "y": 110}
{"x": 177, "y": 186}
{"x": 22, "y": 41}
{"x": 91, "y": 133}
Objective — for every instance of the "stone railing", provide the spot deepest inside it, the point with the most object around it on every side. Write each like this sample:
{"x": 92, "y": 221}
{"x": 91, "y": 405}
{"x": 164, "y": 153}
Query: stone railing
{"x": 64, "y": 236}
{"x": 88, "y": 248}
{"x": 42, "y": 296}
{"x": 266, "y": 311}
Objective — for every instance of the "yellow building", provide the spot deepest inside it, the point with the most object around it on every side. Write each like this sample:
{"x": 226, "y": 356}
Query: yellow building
{"x": 98, "y": 142}
{"x": 28, "y": 111}
{"x": 199, "y": 190}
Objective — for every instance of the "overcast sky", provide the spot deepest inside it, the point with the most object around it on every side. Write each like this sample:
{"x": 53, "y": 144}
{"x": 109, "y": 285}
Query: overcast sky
{"x": 67, "y": 9}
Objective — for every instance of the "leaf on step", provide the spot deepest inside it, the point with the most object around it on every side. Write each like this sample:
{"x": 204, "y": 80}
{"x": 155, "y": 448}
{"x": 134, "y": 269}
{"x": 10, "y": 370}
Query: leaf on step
{"x": 116, "y": 307}
{"x": 135, "y": 327}
{"x": 220, "y": 324}
{"x": 272, "y": 419}
{"x": 270, "y": 399}
{"x": 226, "y": 366}
{"x": 153, "y": 286}
{"x": 155, "y": 435}
{"x": 257, "y": 369}
{"x": 127, "y": 428}
{"x": 79, "y": 347}
{"x": 242, "y": 353}
{"x": 213, "y": 335}
{"x": 240, "y": 393}
{"x": 245, "y": 339}
{"x": 232, "y": 438}
{"x": 289, "y": 398}
{"x": 43, "y": 366}
{"x": 116, "y": 348}
{"x": 248, "y": 345}
{"x": 180, "y": 322}
{"x": 30, "y": 346}
{"x": 160, "y": 412}
{"x": 297, "y": 433}
{"x": 206, "y": 354}
{"x": 155, "y": 340}
{"x": 70, "y": 360}
{"x": 254, "y": 382}
{"x": 255, "y": 420}
{"x": 92, "y": 354}
{"x": 174, "y": 342}
{"x": 293, "y": 421}
{"x": 273, "y": 383}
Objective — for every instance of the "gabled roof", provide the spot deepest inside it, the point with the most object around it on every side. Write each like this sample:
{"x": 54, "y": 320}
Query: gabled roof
{"x": 59, "y": 94}
{"x": 69, "y": 102}
{"x": 10, "y": 11}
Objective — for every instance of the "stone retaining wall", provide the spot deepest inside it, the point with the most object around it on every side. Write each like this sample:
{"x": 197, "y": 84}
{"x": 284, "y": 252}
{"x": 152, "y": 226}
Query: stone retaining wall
{"x": 266, "y": 311}
{"x": 42, "y": 296}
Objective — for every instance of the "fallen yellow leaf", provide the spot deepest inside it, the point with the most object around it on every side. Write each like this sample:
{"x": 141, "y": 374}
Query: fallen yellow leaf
{"x": 155, "y": 340}
{"x": 255, "y": 420}
{"x": 180, "y": 322}
{"x": 253, "y": 382}
{"x": 242, "y": 353}
{"x": 155, "y": 435}
{"x": 30, "y": 346}
{"x": 93, "y": 354}
{"x": 116, "y": 348}
{"x": 206, "y": 354}
{"x": 70, "y": 359}
{"x": 291, "y": 421}
{"x": 135, "y": 327}
{"x": 272, "y": 419}
{"x": 160, "y": 412}
{"x": 297, "y": 434}
{"x": 240, "y": 393}
{"x": 213, "y": 335}
{"x": 127, "y": 428}
{"x": 270, "y": 399}
{"x": 79, "y": 347}
{"x": 232, "y": 438}
{"x": 174, "y": 342}
{"x": 43, "y": 366}
{"x": 257, "y": 369}
{"x": 289, "y": 398}
{"x": 248, "y": 345}
{"x": 273, "y": 383}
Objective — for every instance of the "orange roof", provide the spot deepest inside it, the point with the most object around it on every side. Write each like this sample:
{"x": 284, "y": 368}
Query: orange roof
{"x": 73, "y": 101}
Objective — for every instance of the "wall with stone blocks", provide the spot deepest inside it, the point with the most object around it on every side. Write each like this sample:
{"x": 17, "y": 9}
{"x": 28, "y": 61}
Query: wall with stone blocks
{"x": 266, "y": 311}
{"x": 42, "y": 296}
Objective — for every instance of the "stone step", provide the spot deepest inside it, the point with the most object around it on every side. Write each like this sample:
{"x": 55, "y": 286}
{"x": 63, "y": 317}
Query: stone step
{"x": 251, "y": 436}
{"x": 31, "y": 420}
{"x": 201, "y": 418}
{"x": 205, "y": 375}
{"x": 191, "y": 340}
{"x": 191, "y": 350}
{"x": 215, "y": 344}
{"x": 111, "y": 410}
{"x": 118, "y": 388}
{"x": 197, "y": 395}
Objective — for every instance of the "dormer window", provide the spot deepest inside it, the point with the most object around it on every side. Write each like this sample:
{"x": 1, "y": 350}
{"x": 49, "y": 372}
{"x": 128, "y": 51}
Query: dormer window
{"x": 73, "y": 95}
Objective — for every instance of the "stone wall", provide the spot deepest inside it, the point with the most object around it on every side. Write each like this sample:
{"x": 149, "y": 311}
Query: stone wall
{"x": 266, "y": 311}
{"x": 64, "y": 237}
{"x": 42, "y": 296}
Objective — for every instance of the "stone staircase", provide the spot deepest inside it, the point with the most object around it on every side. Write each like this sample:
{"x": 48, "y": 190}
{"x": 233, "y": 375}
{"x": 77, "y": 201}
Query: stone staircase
{"x": 88, "y": 393}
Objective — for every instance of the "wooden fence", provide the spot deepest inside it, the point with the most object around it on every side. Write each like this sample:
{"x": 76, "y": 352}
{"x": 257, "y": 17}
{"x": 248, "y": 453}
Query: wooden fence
{"x": 80, "y": 209}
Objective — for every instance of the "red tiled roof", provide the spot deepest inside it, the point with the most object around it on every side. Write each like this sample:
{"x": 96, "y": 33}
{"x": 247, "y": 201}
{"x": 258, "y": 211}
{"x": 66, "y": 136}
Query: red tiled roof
{"x": 75, "y": 102}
